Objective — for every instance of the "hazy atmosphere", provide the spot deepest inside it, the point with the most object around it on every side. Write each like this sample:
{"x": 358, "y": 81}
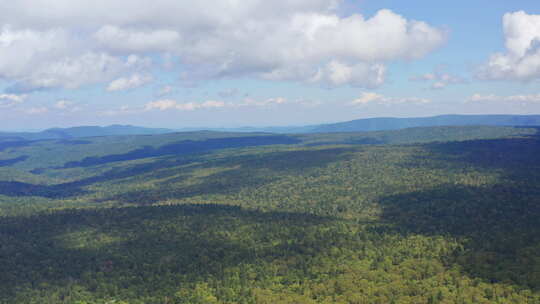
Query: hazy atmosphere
{"x": 178, "y": 63}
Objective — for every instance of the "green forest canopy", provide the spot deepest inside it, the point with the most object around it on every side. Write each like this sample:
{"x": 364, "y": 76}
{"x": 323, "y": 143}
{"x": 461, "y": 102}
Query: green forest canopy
{"x": 427, "y": 215}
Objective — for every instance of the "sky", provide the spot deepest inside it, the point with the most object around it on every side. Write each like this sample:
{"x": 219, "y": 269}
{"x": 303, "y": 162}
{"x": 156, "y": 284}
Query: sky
{"x": 233, "y": 63}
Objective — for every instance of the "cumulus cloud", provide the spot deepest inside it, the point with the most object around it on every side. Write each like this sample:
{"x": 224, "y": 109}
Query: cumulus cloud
{"x": 521, "y": 61}
{"x": 127, "y": 83}
{"x": 163, "y": 13}
{"x": 49, "y": 58}
{"x": 532, "y": 98}
{"x": 375, "y": 98}
{"x": 70, "y": 43}
{"x": 73, "y": 72}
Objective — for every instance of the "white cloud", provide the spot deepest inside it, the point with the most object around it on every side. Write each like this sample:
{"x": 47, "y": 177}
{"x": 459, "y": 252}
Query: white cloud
{"x": 439, "y": 85}
{"x": 439, "y": 79}
{"x": 37, "y": 110}
{"x": 190, "y": 106}
{"x": 368, "y": 97}
{"x": 9, "y": 100}
{"x": 73, "y": 72}
{"x": 63, "y": 104}
{"x": 22, "y": 51}
{"x": 122, "y": 40}
{"x": 521, "y": 61}
{"x": 361, "y": 75}
{"x": 169, "y": 104}
{"x": 37, "y": 13}
{"x": 164, "y": 104}
{"x": 375, "y": 98}
{"x": 69, "y": 43}
{"x": 67, "y": 106}
{"x": 49, "y": 58}
{"x": 262, "y": 103}
{"x": 123, "y": 110}
{"x": 533, "y": 98}
{"x": 135, "y": 81}
{"x": 166, "y": 90}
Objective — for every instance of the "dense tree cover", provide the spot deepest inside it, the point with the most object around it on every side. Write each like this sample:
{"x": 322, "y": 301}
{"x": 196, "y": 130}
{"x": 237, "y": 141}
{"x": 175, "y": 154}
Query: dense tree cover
{"x": 443, "y": 222}
{"x": 41, "y": 156}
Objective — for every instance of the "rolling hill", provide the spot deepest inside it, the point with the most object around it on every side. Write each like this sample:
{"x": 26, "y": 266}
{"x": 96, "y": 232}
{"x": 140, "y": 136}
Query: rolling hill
{"x": 419, "y": 215}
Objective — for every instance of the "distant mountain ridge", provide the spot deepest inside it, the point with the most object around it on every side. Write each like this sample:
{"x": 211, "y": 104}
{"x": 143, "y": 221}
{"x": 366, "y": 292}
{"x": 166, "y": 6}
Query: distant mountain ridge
{"x": 389, "y": 123}
{"x": 83, "y": 131}
{"x": 393, "y": 123}
{"x": 359, "y": 125}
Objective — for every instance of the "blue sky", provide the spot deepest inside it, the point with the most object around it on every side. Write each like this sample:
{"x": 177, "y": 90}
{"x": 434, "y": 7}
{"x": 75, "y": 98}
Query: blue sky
{"x": 235, "y": 63}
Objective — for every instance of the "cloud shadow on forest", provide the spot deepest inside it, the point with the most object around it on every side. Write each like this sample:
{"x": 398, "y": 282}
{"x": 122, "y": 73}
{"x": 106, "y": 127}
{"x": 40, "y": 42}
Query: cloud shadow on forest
{"x": 187, "y": 147}
{"x": 248, "y": 167}
{"x": 500, "y": 221}
{"x": 243, "y": 172}
{"x": 165, "y": 245}
{"x": 12, "y": 161}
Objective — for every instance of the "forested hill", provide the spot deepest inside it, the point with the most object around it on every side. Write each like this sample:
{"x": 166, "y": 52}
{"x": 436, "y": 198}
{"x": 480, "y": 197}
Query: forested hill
{"x": 378, "y": 124}
{"x": 83, "y": 131}
{"x": 415, "y": 216}
{"x": 90, "y": 151}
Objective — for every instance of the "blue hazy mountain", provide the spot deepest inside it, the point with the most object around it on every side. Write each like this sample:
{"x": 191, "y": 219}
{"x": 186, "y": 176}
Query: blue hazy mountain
{"x": 388, "y": 123}
{"x": 83, "y": 131}
{"x": 359, "y": 125}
